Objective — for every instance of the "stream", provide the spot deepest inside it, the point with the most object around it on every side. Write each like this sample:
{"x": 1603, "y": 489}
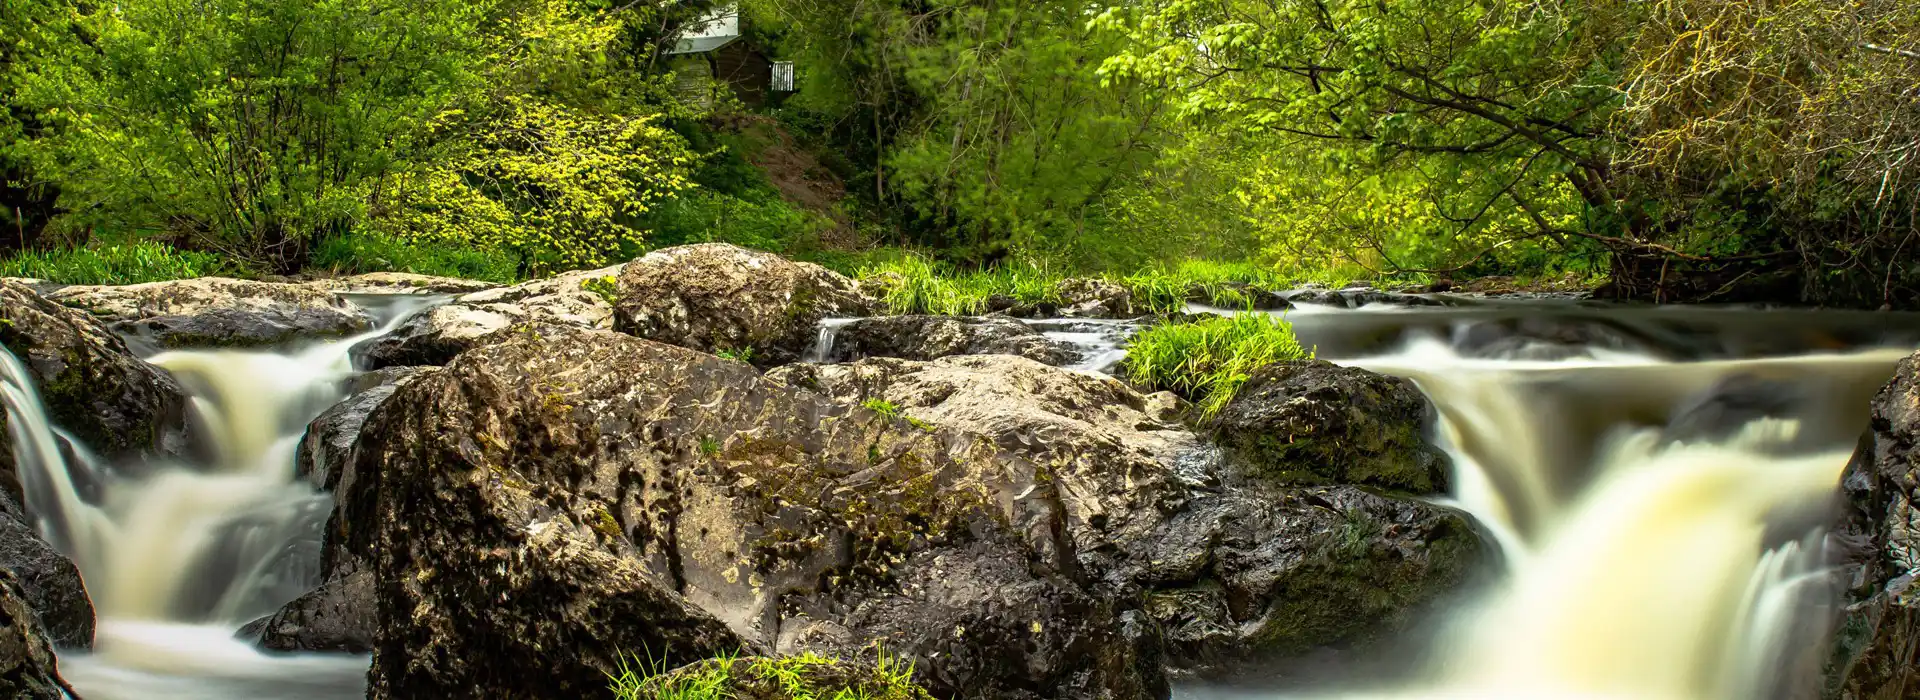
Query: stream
{"x": 1657, "y": 480}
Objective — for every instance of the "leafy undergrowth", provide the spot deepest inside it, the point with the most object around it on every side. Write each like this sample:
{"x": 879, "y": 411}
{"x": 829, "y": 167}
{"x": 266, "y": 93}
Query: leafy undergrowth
{"x": 127, "y": 263}
{"x": 373, "y": 252}
{"x": 800, "y": 677}
{"x": 1207, "y": 360}
{"x": 913, "y": 284}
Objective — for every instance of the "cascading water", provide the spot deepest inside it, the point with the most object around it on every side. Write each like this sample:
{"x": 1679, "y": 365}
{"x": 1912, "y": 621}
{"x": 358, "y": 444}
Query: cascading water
{"x": 178, "y": 558}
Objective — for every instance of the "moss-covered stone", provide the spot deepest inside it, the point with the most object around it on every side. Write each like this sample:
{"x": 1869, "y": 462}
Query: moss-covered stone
{"x": 1316, "y": 423}
{"x": 714, "y": 296}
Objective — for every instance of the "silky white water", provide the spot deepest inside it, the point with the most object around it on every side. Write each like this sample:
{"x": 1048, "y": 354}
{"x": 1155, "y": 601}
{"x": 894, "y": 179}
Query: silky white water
{"x": 177, "y": 558}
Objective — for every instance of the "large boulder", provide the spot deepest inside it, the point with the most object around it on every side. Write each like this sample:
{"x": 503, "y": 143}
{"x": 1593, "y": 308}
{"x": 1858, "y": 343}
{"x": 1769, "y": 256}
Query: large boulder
{"x": 930, "y": 337}
{"x": 217, "y": 311}
{"x": 549, "y": 503}
{"x": 580, "y": 298}
{"x": 49, "y": 582}
{"x": 28, "y": 669}
{"x": 716, "y": 297}
{"x": 1233, "y": 566}
{"x": 91, "y": 384}
{"x": 1877, "y": 645}
{"x": 1314, "y": 422}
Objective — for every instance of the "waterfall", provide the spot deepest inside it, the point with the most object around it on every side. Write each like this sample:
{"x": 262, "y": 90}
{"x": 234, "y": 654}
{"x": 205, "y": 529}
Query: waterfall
{"x": 177, "y": 558}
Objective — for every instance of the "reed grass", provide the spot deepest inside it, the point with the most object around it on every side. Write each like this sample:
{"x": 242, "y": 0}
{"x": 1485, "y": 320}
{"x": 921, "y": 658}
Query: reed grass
{"x": 1207, "y": 360}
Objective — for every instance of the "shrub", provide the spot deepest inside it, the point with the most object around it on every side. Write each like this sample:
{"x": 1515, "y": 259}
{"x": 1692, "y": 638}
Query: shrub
{"x": 705, "y": 216}
{"x": 800, "y": 677}
{"x": 1208, "y": 360}
{"x": 129, "y": 263}
{"x": 912, "y": 284}
{"x": 376, "y": 252}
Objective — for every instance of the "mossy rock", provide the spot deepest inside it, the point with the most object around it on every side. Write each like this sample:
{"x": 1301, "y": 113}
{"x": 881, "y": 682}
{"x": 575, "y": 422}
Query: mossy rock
{"x": 1316, "y": 423}
{"x": 802, "y": 677}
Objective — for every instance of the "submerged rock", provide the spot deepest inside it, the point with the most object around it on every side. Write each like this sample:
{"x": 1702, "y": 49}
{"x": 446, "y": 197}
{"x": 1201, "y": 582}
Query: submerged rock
{"x": 930, "y": 337}
{"x": 1233, "y": 568}
{"x": 217, "y": 312}
{"x": 1877, "y": 644}
{"x": 92, "y": 385}
{"x": 581, "y": 298}
{"x": 49, "y": 582}
{"x": 1314, "y": 422}
{"x": 28, "y": 669}
{"x": 547, "y": 504}
{"x": 716, "y": 297}
{"x": 1356, "y": 297}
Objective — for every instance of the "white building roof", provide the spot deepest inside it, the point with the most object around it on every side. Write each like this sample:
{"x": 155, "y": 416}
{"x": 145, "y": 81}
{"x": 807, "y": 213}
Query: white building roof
{"x": 718, "y": 28}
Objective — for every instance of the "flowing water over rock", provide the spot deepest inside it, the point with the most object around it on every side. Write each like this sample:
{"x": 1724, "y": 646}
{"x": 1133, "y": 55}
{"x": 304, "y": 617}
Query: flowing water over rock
{"x": 179, "y": 556}
{"x": 1657, "y": 478}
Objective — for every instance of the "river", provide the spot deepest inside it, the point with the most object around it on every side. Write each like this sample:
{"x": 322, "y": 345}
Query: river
{"x": 1656, "y": 478}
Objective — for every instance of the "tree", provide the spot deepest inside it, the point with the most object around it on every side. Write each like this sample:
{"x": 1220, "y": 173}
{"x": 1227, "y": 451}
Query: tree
{"x": 31, "y": 31}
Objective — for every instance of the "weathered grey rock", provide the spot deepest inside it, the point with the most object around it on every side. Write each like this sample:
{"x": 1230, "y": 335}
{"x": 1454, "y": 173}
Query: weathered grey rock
{"x": 930, "y": 337}
{"x": 28, "y": 669}
{"x": 217, "y": 312}
{"x": 399, "y": 283}
{"x": 1234, "y": 568}
{"x": 92, "y": 385}
{"x": 1086, "y": 297}
{"x": 715, "y": 297}
{"x": 50, "y": 582}
{"x": 597, "y": 493}
{"x": 581, "y": 298}
{"x": 326, "y": 450}
{"x": 1877, "y": 644}
{"x": 1314, "y": 422}
{"x": 336, "y": 616}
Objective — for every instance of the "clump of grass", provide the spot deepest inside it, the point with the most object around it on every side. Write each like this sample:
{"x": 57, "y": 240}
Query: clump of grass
{"x": 741, "y": 354}
{"x": 128, "y": 263}
{"x": 369, "y": 251}
{"x": 805, "y": 676}
{"x": 888, "y": 409}
{"x": 912, "y": 284}
{"x": 1208, "y": 360}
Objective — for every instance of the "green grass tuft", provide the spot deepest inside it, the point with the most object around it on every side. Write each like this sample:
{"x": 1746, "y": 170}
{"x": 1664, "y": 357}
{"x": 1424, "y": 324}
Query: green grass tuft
{"x": 364, "y": 252}
{"x": 804, "y": 676}
{"x": 128, "y": 263}
{"x": 1208, "y": 360}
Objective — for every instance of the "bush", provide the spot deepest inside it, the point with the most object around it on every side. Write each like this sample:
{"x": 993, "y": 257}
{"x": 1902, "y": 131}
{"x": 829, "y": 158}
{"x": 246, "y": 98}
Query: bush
{"x": 128, "y": 263}
{"x": 1207, "y": 361}
{"x": 800, "y": 677}
{"x": 374, "y": 252}
{"x": 763, "y": 222}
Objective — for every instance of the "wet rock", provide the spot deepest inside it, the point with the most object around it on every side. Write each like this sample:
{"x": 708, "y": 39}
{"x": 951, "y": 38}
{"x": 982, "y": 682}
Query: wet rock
{"x": 337, "y": 616}
{"x": 327, "y": 446}
{"x": 519, "y": 505}
{"x": 1234, "y": 568}
{"x": 1721, "y": 411}
{"x": 92, "y": 385}
{"x": 581, "y": 298}
{"x": 28, "y": 669}
{"x": 1543, "y": 337}
{"x": 1086, "y": 297}
{"x": 715, "y": 297}
{"x": 400, "y": 283}
{"x": 1877, "y": 644}
{"x": 1356, "y": 297}
{"x": 49, "y": 582}
{"x": 217, "y": 312}
{"x": 1237, "y": 295}
{"x": 760, "y": 678}
{"x": 1314, "y": 422}
{"x": 930, "y": 337}
{"x": 1240, "y": 577}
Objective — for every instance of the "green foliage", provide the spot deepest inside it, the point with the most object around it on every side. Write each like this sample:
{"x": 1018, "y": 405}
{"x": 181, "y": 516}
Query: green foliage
{"x": 607, "y": 288}
{"x": 1208, "y": 360}
{"x": 130, "y": 263}
{"x": 888, "y": 409}
{"x": 709, "y": 446}
{"x": 369, "y": 251}
{"x": 744, "y": 354}
{"x": 804, "y": 676}
{"x": 914, "y": 284}
{"x": 760, "y": 221}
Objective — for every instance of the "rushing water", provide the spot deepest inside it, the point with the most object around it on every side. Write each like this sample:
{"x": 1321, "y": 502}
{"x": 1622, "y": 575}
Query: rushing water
{"x": 1656, "y": 479}
{"x": 178, "y": 557}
